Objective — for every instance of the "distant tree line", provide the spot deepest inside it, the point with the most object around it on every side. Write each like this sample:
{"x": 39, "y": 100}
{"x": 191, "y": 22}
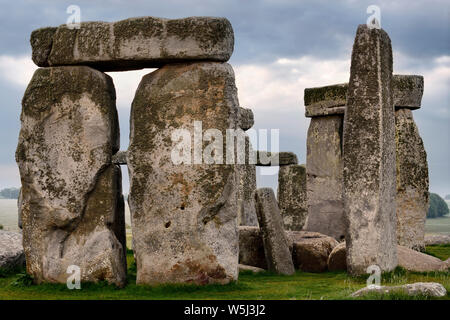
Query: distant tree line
{"x": 9, "y": 193}
{"x": 438, "y": 206}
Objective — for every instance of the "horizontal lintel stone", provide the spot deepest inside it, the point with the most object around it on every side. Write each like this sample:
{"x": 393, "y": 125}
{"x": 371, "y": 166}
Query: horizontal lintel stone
{"x": 332, "y": 99}
{"x": 135, "y": 43}
{"x": 267, "y": 158}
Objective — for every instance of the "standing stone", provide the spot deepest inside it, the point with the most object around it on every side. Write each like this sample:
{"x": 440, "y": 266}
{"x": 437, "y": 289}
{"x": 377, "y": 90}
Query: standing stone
{"x": 276, "y": 244}
{"x": 292, "y": 196}
{"x": 324, "y": 175}
{"x": 71, "y": 193}
{"x": 412, "y": 182}
{"x": 246, "y": 190}
{"x": 369, "y": 155}
{"x": 135, "y": 43}
{"x": 184, "y": 215}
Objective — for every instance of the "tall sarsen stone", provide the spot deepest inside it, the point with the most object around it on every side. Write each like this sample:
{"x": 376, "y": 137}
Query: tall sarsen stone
{"x": 71, "y": 197}
{"x": 184, "y": 215}
{"x": 369, "y": 155}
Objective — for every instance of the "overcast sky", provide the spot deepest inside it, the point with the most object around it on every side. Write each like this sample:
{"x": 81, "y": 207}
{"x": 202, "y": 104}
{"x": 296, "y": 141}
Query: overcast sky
{"x": 281, "y": 47}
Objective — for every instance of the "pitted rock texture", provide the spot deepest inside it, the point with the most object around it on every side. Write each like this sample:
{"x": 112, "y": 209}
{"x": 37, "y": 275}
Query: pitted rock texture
{"x": 11, "y": 250}
{"x": 331, "y": 100}
{"x": 184, "y": 216}
{"x": 72, "y": 205}
{"x": 324, "y": 174}
{"x": 135, "y": 43}
{"x": 292, "y": 196}
{"x": 412, "y": 182}
{"x": 276, "y": 244}
{"x": 246, "y": 190}
{"x": 369, "y": 155}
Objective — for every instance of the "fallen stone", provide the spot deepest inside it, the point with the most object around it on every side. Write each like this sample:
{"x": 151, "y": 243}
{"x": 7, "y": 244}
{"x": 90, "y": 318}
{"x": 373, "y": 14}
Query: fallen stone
{"x": 251, "y": 248}
{"x": 11, "y": 250}
{"x": 243, "y": 267}
{"x": 292, "y": 196}
{"x": 324, "y": 174}
{"x": 447, "y": 264}
{"x": 184, "y": 215}
{"x": 431, "y": 289}
{"x": 310, "y": 254}
{"x": 283, "y": 158}
{"x": 276, "y": 247}
{"x": 412, "y": 181}
{"x": 119, "y": 158}
{"x": 246, "y": 118}
{"x": 134, "y": 43}
{"x": 337, "y": 258}
{"x": 332, "y": 99}
{"x": 369, "y": 155}
{"x": 72, "y": 208}
{"x": 433, "y": 239}
{"x": 408, "y": 259}
{"x": 413, "y": 260}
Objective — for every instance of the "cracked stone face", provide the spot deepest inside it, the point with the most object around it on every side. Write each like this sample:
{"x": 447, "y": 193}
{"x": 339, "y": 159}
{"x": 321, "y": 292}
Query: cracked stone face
{"x": 369, "y": 155}
{"x": 184, "y": 216}
{"x": 71, "y": 198}
{"x": 135, "y": 43}
{"x": 412, "y": 182}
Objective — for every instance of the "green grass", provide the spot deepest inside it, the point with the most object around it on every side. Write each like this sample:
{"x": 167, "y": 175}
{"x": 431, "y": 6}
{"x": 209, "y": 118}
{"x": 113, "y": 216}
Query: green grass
{"x": 302, "y": 285}
{"x": 441, "y": 251}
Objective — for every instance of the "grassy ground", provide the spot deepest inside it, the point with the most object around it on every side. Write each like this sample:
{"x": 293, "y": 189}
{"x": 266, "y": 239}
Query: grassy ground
{"x": 302, "y": 285}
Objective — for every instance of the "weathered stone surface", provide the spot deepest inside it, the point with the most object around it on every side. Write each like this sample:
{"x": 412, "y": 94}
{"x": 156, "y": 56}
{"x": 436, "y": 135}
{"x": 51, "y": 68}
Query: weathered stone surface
{"x": 331, "y": 100}
{"x": 184, "y": 216}
{"x": 337, "y": 258}
{"x": 408, "y": 91}
{"x": 326, "y": 100}
{"x": 369, "y": 155}
{"x": 417, "y": 261}
{"x": 246, "y": 189}
{"x": 409, "y": 259}
{"x": 246, "y": 118}
{"x": 431, "y": 289}
{"x": 292, "y": 196}
{"x": 276, "y": 248}
{"x": 284, "y": 158}
{"x": 11, "y": 250}
{"x": 432, "y": 239}
{"x": 412, "y": 181}
{"x": 251, "y": 248}
{"x": 324, "y": 174}
{"x": 119, "y": 158}
{"x": 134, "y": 43}
{"x": 71, "y": 194}
{"x": 447, "y": 264}
{"x": 243, "y": 267}
{"x": 310, "y": 254}
{"x": 41, "y": 42}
